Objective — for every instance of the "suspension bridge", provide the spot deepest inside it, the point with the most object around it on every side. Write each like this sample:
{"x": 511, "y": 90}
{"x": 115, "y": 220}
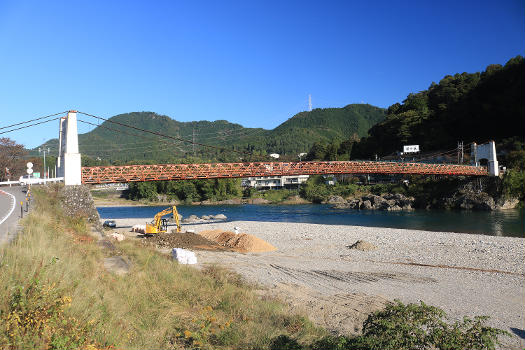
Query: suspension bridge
{"x": 69, "y": 163}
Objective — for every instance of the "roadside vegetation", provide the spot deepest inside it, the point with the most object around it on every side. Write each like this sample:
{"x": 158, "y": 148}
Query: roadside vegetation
{"x": 55, "y": 293}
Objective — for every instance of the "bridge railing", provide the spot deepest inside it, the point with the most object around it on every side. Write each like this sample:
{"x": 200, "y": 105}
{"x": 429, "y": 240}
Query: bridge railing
{"x": 133, "y": 173}
{"x": 33, "y": 181}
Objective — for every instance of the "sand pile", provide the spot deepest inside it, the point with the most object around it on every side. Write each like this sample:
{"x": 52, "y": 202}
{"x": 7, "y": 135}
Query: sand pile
{"x": 187, "y": 240}
{"x": 242, "y": 242}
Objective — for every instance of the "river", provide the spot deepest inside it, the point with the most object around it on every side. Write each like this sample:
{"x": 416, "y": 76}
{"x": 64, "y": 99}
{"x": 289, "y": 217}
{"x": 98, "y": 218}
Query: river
{"x": 496, "y": 223}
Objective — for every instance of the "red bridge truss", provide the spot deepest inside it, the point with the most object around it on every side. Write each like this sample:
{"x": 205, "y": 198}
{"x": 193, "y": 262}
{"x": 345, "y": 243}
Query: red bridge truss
{"x": 133, "y": 173}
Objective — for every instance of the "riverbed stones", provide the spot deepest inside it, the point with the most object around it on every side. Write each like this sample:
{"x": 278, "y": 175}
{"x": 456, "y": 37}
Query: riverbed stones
{"x": 194, "y": 218}
{"x": 191, "y": 218}
{"x": 258, "y": 201}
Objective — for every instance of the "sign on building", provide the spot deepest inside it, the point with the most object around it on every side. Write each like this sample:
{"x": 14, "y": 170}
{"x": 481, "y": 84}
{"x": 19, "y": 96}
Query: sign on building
{"x": 411, "y": 149}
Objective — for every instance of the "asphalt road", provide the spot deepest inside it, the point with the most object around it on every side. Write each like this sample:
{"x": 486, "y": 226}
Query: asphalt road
{"x": 10, "y": 198}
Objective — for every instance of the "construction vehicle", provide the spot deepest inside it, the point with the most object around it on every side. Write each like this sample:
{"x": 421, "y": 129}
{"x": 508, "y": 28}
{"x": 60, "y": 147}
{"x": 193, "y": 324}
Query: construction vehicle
{"x": 160, "y": 225}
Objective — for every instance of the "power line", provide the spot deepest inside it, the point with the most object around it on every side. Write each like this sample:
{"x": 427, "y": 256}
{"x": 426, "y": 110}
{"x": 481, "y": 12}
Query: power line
{"x": 146, "y": 151}
{"x": 28, "y": 126}
{"x": 32, "y": 120}
{"x": 117, "y": 131}
{"x": 123, "y": 132}
{"x": 167, "y": 136}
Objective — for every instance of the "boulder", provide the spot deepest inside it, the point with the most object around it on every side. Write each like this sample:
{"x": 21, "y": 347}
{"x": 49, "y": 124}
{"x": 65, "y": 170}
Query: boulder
{"x": 191, "y": 218}
{"x": 230, "y": 201}
{"x": 363, "y": 246}
{"x": 477, "y": 201}
{"x": 220, "y": 217}
{"x": 344, "y": 205}
{"x": 335, "y": 200}
{"x": 184, "y": 256}
{"x": 258, "y": 201}
{"x": 118, "y": 236}
{"x": 394, "y": 208}
{"x": 366, "y": 205}
{"x": 507, "y": 203}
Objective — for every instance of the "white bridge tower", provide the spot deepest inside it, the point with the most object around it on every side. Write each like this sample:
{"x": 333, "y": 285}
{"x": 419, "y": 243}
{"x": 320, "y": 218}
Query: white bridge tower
{"x": 68, "y": 162}
{"x": 485, "y": 151}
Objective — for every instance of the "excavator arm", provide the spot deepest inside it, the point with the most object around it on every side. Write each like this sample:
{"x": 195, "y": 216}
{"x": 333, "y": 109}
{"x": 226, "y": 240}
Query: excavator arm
{"x": 157, "y": 226}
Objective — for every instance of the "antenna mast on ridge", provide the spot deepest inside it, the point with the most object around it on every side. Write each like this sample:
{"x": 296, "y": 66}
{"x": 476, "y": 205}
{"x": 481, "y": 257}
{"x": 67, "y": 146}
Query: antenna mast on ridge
{"x": 309, "y": 102}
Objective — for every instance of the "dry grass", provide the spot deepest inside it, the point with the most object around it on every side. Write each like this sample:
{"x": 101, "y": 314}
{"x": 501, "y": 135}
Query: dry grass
{"x": 158, "y": 304}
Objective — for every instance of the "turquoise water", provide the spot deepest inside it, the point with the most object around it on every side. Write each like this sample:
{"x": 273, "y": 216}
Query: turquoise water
{"x": 495, "y": 223}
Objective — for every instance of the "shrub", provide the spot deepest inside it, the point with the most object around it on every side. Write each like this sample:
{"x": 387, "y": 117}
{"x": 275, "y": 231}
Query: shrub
{"x": 408, "y": 327}
{"x": 513, "y": 183}
{"x": 421, "y": 326}
{"x": 35, "y": 318}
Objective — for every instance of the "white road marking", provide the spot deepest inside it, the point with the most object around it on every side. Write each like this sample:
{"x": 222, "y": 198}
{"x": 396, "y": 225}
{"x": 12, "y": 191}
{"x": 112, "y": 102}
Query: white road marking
{"x": 12, "y": 206}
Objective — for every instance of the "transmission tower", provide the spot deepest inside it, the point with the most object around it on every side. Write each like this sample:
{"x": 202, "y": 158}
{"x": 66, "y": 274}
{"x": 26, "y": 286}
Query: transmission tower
{"x": 309, "y": 102}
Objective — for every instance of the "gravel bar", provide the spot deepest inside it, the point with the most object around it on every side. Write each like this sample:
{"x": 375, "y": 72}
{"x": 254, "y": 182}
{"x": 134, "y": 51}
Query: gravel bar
{"x": 464, "y": 274}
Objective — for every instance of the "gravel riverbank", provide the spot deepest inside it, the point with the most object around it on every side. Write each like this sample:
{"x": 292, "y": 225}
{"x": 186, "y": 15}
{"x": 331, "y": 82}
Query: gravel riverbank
{"x": 315, "y": 271}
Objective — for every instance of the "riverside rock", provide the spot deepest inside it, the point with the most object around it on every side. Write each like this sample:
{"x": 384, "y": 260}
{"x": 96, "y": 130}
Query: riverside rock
{"x": 387, "y": 202}
{"x": 335, "y": 200}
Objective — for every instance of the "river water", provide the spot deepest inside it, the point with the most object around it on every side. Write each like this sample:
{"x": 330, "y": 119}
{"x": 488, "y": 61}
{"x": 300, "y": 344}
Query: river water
{"x": 495, "y": 223}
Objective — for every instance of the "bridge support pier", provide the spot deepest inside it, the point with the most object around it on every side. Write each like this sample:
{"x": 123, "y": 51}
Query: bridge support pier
{"x": 69, "y": 160}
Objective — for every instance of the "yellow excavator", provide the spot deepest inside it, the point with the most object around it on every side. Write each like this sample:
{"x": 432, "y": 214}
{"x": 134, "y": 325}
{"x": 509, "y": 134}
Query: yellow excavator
{"x": 160, "y": 225}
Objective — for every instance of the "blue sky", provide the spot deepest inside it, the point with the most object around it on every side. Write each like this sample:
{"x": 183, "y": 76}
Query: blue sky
{"x": 249, "y": 62}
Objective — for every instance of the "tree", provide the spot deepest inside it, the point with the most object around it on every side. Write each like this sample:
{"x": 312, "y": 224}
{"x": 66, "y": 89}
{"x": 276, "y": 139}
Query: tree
{"x": 317, "y": 152}
{"x": 12, "y": 164}
{"x": 331, "y": 151}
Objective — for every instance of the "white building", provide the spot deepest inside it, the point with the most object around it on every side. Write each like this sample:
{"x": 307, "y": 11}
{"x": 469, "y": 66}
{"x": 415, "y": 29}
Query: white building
{"x": 271, "y": 182}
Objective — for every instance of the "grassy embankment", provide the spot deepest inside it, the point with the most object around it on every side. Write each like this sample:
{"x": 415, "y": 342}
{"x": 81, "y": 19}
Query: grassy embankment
{"x": 55, "y": 293}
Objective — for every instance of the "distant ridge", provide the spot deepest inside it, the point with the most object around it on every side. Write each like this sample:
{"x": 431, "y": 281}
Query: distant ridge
{"x": 118, "y": 144}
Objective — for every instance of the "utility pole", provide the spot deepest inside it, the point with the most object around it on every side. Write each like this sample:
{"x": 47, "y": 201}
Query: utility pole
{"x": 460, "y": 152}
{"x": 44, "y": 150}
{"x": 193, "y": 141}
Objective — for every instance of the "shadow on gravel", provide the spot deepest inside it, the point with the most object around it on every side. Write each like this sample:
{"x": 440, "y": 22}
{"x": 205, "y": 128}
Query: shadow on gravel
{"x": 519, "y": 332}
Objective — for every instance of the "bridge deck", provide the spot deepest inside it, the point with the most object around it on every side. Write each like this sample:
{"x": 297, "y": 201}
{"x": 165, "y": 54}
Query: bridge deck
{"x": 134, "y": 173}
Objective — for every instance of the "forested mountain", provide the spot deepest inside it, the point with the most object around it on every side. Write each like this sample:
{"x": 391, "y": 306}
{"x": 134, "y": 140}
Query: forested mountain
{"x": 114, "y": 143}
{"x": 474, "y": 107}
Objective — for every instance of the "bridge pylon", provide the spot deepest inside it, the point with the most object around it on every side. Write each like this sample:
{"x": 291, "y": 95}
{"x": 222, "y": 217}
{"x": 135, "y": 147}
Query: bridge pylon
{"x": 69, "y": 161}
{"x": 485, "y": 151}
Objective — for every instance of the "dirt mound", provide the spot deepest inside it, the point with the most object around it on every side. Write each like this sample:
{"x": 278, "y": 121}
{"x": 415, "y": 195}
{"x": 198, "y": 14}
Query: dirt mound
{"x": 362, "y": 245}
{"x": 242, "y": 242}
{"x": 182, "y": 240}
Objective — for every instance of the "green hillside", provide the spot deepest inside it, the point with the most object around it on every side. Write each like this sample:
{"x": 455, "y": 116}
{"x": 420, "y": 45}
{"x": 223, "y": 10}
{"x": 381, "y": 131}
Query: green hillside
{"x": 117, "y": 144}
{"x": 469, "y": 107}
